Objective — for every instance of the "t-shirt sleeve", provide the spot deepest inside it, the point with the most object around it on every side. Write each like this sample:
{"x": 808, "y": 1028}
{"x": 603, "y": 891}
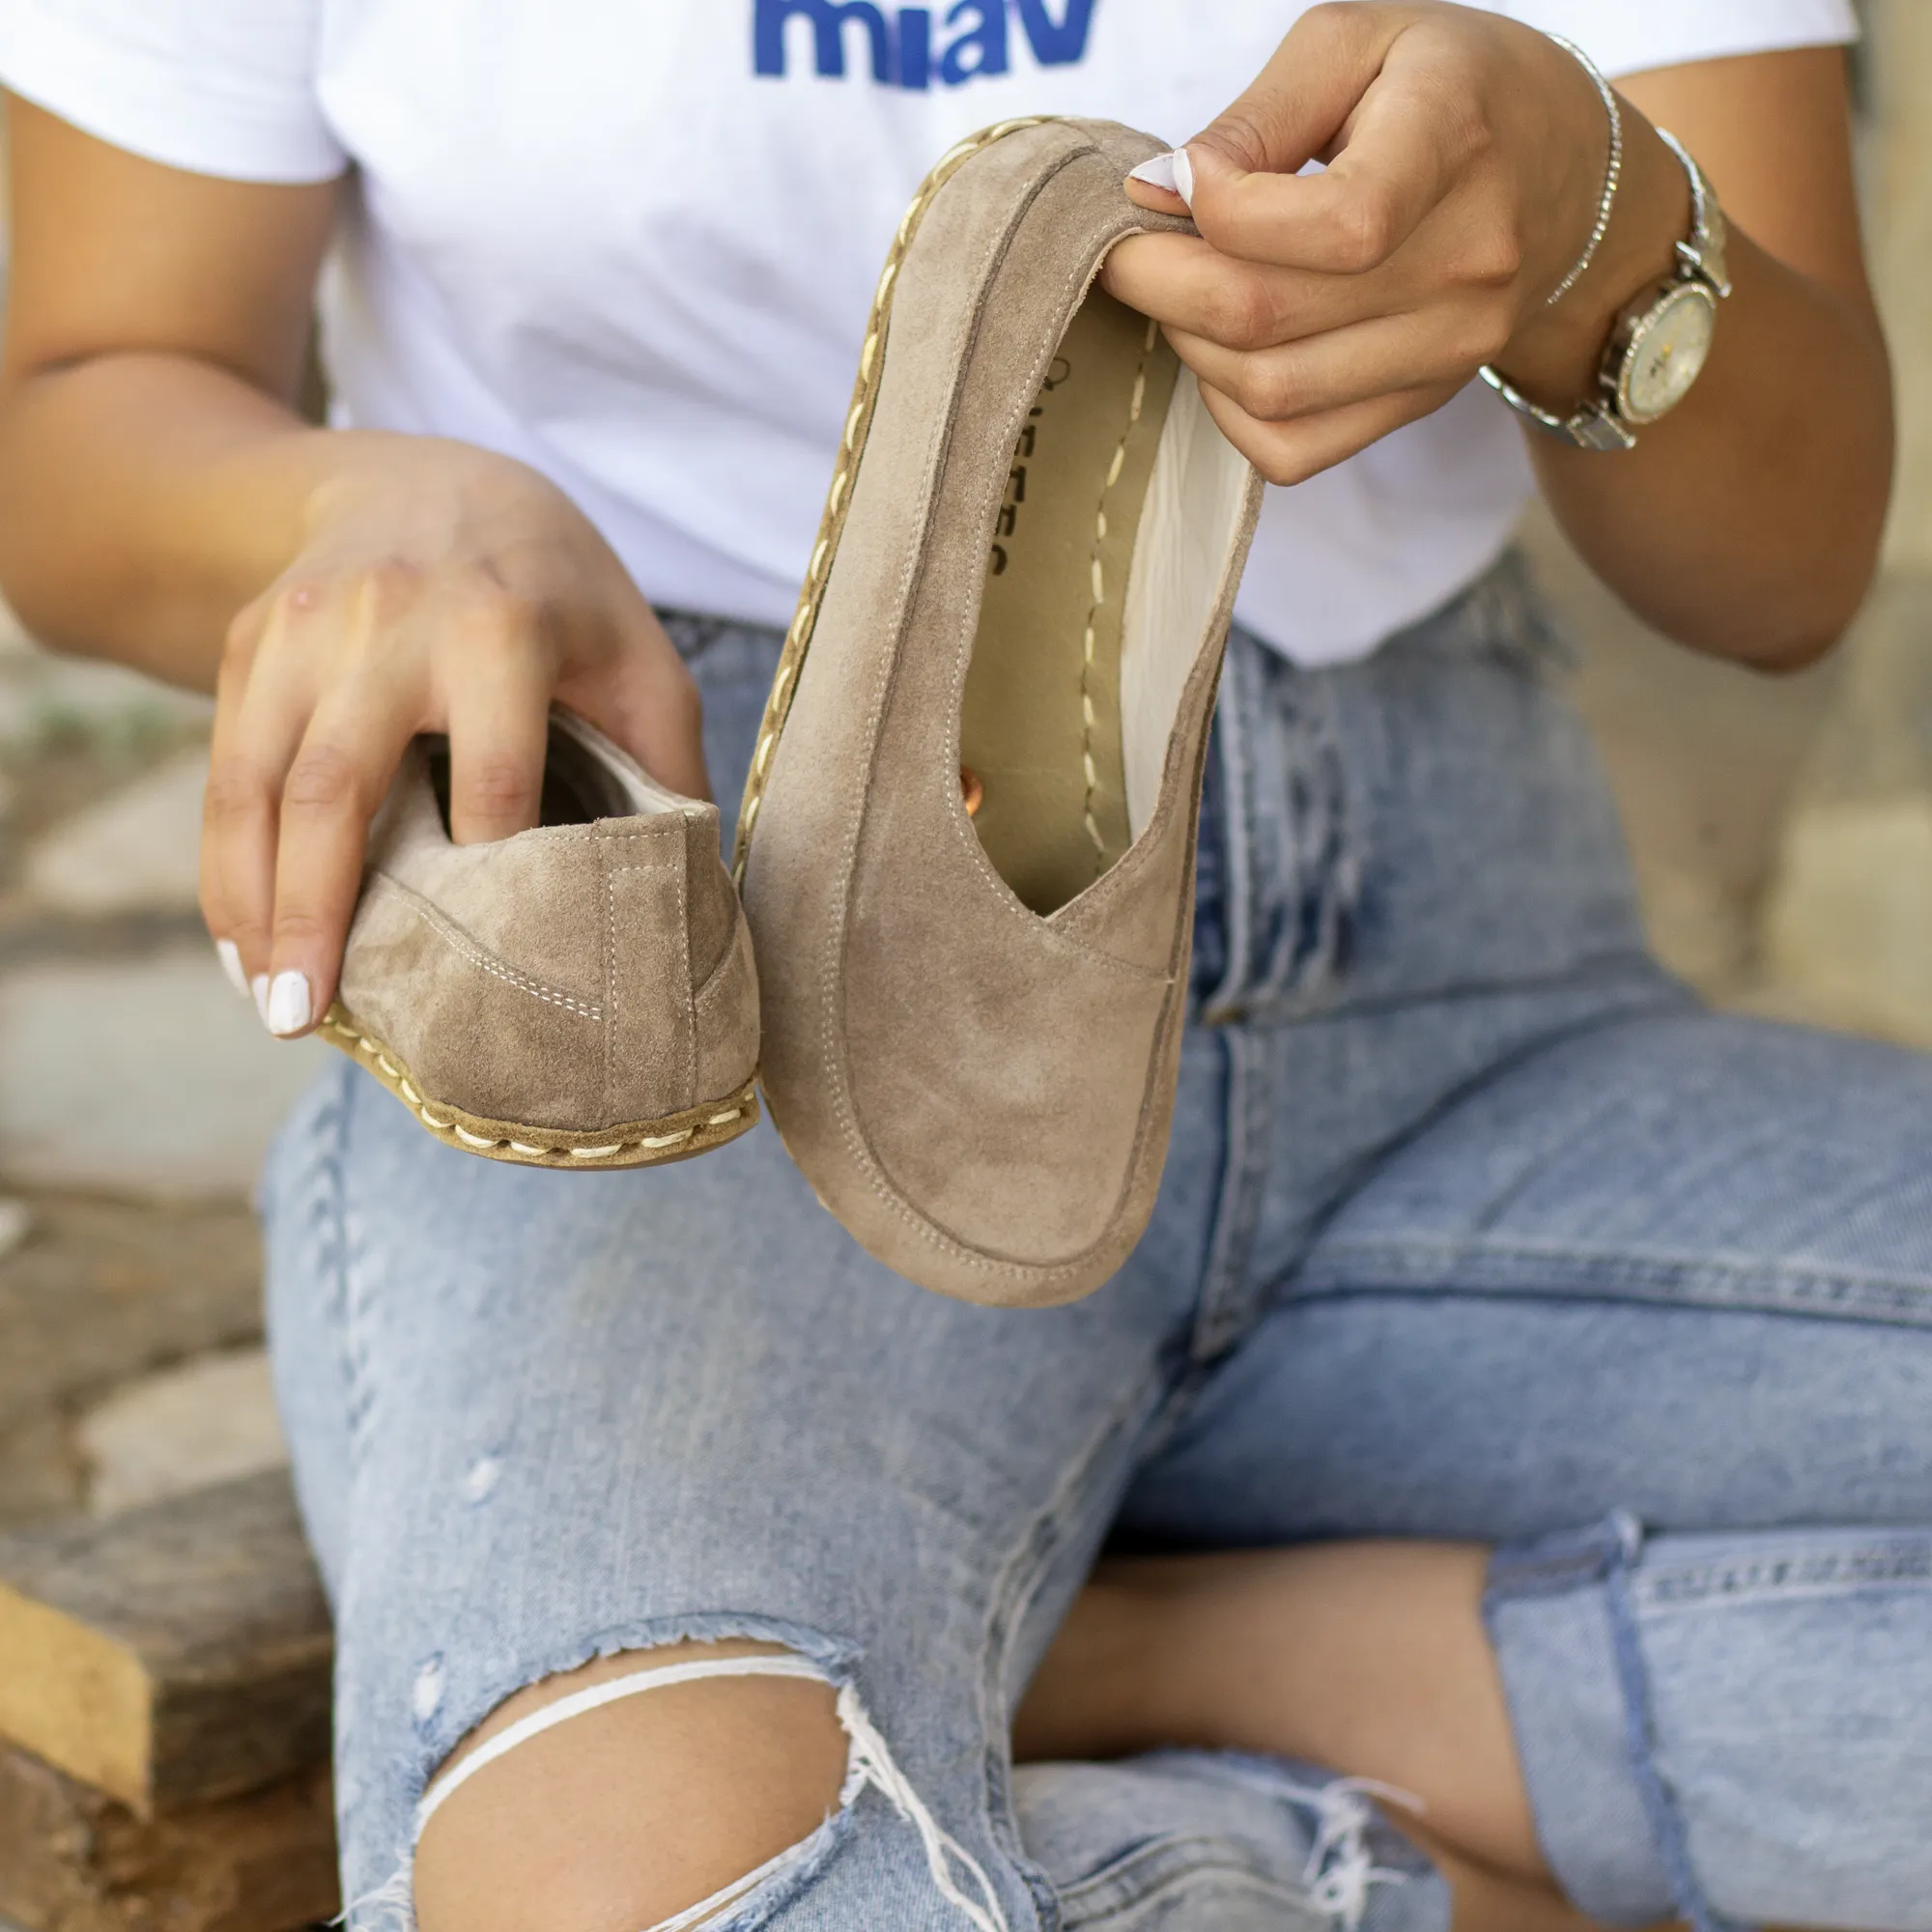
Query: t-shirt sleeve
{"x": 1630, "y": 35}
{"x": 218, "y": 87}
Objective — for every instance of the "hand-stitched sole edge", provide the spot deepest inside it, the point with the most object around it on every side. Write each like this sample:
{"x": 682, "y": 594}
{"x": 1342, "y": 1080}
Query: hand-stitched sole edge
{"x": 858, "y": 426}
{"x": 640, "y": 1144}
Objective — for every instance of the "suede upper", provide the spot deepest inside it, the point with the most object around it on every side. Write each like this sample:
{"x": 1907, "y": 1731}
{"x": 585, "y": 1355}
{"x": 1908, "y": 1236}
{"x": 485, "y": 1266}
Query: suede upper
{"x": 981, "y": 1094}
{"x": 573, "y": 978}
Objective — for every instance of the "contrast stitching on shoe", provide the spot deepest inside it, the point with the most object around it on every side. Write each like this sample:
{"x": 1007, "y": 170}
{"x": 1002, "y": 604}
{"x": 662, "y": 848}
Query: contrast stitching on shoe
{"x": 682, "y": 925}
{"x": 858, "y": 425}
{"x": 785, "y": 690}
{"x": 609, "y": 973}
{"x": 1087, "y": 666}
{"x": 865, "y": 1158}
{"x": 1004, "y": 904}
{"x": 798, "y": 639}
{"x": 351, "y": 1038}
{"x": 460, "y": 942}
{"x": 612, "y": 839}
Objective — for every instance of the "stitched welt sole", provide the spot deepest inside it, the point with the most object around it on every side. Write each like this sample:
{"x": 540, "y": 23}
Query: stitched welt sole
{"x": 639, "y": 1143}
{"x": 831, "y": 525}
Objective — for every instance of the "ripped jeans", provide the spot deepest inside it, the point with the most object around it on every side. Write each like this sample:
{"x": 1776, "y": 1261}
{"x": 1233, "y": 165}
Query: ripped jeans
{"x": 1475, "y": 1226}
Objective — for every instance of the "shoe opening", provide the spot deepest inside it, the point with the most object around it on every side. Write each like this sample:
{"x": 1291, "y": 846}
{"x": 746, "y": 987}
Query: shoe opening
{"x": 585, "y": 776}
{"x": 1121, "y": 508}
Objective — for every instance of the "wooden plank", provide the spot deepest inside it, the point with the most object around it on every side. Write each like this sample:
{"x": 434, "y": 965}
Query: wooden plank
{"x": 72, "y": 1860}
{"x": 170, "y": 1656}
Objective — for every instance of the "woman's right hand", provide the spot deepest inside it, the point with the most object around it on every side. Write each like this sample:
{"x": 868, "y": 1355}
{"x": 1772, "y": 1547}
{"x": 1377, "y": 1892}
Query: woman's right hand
{"x": 437, "y": 588}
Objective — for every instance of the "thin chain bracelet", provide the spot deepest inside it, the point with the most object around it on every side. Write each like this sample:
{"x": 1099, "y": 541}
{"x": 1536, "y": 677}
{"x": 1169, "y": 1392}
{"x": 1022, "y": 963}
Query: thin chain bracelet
{"x": 1611, "y": 177}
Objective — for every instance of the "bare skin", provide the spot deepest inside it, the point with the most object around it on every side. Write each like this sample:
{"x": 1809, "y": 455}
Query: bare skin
{"x": 1321, "y": 312}
{"x": 734, "y": 1770}
{"x": 1366, "y": 1658}
{"x": 162, "y": 503}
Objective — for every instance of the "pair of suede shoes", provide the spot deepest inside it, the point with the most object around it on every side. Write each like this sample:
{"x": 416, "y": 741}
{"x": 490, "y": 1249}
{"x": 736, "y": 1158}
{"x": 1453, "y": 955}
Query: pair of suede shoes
{"x": 964, "y": 862}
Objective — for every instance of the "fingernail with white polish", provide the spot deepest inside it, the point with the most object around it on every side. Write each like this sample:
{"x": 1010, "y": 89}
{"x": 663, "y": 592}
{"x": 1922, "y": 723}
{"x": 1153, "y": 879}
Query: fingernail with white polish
{"x": 259, "y": 987}
{"x": 289, "y": 1005}
{"x": 229, "y": 956}
{"x": 1174, "y": 173}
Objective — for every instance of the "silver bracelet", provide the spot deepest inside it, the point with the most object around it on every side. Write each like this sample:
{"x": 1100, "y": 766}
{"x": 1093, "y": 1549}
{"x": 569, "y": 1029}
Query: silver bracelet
{"x": 1612, "y": 177}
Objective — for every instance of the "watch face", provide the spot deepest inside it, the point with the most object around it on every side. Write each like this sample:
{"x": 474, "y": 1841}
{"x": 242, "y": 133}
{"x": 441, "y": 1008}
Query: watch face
{"x": 1666, "y": 351}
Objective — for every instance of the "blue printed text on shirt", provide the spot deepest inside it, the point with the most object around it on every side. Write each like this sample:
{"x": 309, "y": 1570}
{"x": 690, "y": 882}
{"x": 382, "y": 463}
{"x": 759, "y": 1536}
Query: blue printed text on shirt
{"x": 917, "y": 46}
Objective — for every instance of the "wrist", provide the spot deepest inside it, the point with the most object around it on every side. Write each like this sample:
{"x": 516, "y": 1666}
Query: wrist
{"x": 417, "y": 488}
{"x": 1555, "y": 352}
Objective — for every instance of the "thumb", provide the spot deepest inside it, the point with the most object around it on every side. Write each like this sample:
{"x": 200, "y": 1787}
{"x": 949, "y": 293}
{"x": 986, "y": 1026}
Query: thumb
{"x": 1299, "y": 107}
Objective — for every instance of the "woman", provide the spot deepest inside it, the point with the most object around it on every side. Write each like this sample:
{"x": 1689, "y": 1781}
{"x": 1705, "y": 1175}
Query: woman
{"x": 1518, "y": 1399}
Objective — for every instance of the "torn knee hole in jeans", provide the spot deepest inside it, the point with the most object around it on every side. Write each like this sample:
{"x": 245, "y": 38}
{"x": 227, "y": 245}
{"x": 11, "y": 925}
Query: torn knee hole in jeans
{"x": 961, "y": 1879}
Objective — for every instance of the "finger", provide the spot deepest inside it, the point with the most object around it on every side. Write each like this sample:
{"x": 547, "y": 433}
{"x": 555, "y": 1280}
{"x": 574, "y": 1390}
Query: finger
{"x": 340, "y": 774}
{"x": 1298, "y": 108}
{"x": 258, "y": 718}
{"x": 1189, "y": 285}
{"x": 643, "y": 696}
{"x": 498, "y": 706}
{"x": 1397, "y": 165}
{"x": 1161, "y": 200}
{"x": 1289, "y": 453}
{"x": 1387, "y": 355}
{"x": 214, "y": 916}
{"x": 213, "y": 901}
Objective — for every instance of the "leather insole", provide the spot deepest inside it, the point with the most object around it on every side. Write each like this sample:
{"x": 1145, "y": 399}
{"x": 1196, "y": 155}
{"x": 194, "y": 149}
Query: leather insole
{"x": 1040, "y": 727}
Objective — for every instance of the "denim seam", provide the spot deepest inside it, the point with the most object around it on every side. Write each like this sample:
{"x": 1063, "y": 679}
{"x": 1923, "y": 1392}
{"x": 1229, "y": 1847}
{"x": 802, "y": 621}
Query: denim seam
{"x": 1610, "y": 1267}
{"x": 1660, "y": 1802}
{"x": 1237, "y": 839}
{"x": 1322, "y": 825}
{"x": 356, "y": 1290}
{"x": 1828, "y": 1573}
{"x": 1223, "y": 1310}
{"x": 332, "y": 1173}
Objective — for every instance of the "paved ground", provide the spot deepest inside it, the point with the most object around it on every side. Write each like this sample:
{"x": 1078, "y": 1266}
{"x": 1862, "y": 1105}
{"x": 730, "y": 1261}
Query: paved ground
{"x": 137, "y": 1094}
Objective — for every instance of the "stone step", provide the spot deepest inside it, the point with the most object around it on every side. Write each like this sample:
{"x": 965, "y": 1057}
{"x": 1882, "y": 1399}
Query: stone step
{"x": 172, "y": 1656}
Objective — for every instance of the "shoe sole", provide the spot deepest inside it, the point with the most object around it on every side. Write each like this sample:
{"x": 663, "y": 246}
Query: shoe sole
{"x": 639, "y": 1143}
{"x": 831, "y": 527}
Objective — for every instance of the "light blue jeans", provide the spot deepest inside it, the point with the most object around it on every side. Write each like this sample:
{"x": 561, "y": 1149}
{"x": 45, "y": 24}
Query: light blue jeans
{"x": 1475, "y": 1226}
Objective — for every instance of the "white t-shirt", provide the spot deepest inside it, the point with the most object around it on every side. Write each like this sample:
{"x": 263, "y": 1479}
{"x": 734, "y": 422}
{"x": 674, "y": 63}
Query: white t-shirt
{"x": 635, "y": 246}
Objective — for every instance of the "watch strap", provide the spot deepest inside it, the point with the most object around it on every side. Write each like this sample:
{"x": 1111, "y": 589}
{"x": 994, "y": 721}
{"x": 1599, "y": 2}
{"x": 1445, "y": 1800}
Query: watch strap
{"x": 1700, "y": 258}
{"x": 1702, "y": 255}
{"x": 1592, "y": 427}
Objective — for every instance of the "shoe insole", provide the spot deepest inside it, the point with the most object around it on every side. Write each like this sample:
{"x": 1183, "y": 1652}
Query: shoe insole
{"x": 1040, "y": 724}
{"x": 579, "y": 786}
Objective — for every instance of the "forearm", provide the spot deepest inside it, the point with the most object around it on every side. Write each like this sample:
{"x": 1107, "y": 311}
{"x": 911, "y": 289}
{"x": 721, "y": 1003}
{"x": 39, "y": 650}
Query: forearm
{"x": 144, "y": 499}
{"x": 1745, "y": 523}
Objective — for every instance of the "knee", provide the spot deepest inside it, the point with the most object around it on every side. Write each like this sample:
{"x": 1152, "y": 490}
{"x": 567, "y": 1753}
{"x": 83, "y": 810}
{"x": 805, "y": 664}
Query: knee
{"x": 632, "y": 1813}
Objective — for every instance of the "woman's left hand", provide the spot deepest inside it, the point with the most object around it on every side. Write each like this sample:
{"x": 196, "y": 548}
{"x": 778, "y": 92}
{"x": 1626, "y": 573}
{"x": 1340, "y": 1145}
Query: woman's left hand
{"x": 1465, "y": 163}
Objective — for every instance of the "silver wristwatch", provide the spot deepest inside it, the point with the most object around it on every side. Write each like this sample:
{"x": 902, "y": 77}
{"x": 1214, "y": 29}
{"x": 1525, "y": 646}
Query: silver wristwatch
{"x": 1660, "y": 341}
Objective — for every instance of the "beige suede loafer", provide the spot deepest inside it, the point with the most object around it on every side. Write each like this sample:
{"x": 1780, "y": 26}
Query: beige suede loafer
{"x": 1017, "y": 605}
{"x": 577, "y": 996}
